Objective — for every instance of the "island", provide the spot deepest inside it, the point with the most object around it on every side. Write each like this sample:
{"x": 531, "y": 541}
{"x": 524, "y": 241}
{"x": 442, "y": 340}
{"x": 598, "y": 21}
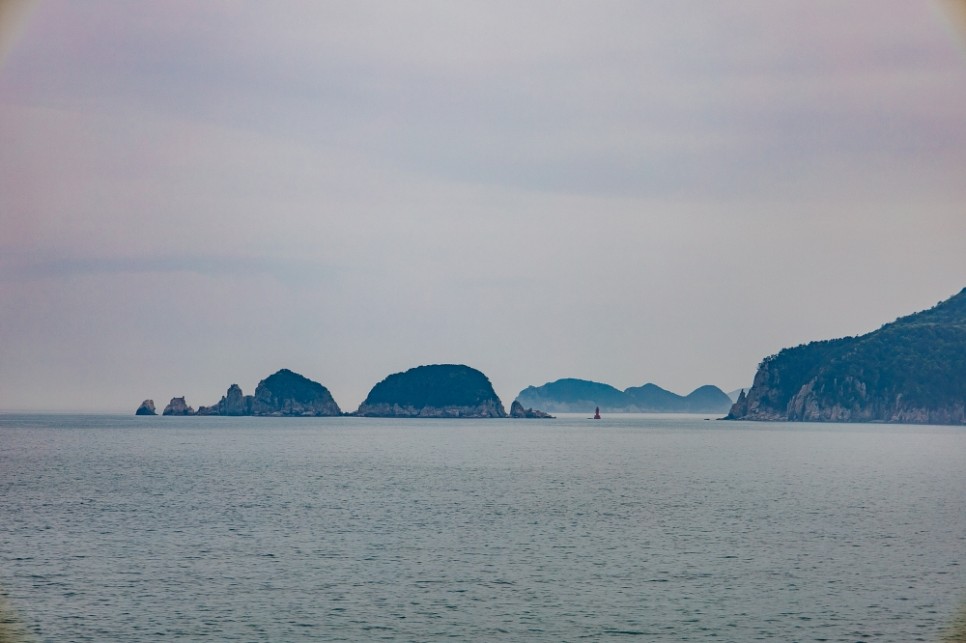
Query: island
{"x": 282, "y": 394}
{"x": 571, "y": 395}
{"x": 146, "y": 408}
{"x": 289, "y": 394}
{"x": 912, "y": 371}
{"x": 178, "y": 406}
{"x": 434, "y": 391}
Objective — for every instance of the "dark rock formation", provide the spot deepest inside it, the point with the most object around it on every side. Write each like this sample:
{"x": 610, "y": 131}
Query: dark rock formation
{"x": 234, "y": 402}
{"x": 282, "y": 394}
{"x": 583, "y": 396}
{"x": 177, "y": 406}
{"x": 146, "y": 408}
{"x": 438, "y": 390}
{"x": 910, "y": 371}
{"x": 290, "y": 394}
{"x": 517, "y": 411}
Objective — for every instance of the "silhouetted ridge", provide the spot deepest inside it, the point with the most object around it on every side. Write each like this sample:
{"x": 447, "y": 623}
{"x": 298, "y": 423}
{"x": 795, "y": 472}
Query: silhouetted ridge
{"x": 571, "y": 395}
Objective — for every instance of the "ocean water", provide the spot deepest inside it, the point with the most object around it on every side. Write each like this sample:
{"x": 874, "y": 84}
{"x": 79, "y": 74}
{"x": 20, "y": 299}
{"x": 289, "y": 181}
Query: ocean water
{"x": 349, "y": 529}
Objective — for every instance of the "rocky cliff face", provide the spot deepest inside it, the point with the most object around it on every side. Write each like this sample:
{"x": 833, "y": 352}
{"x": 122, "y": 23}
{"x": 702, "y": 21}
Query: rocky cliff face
{"x": 910, "y": 371}
{"x": 233, "y": 403}
{"x": 517, "y": 411}
{"x": 177, "y": 406}
{"x": 438, "y": 390}
{"x": 483, "y": 410}
{"x": 146, "y": 408}
{"x": 282, "y": 394}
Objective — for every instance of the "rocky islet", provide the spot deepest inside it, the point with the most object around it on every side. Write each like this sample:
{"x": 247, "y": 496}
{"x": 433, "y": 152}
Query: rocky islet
{"x": 433, "y": 391}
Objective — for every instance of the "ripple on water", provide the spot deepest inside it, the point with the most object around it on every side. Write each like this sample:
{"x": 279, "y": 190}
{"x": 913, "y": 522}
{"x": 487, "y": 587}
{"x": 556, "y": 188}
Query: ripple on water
{"x": 358, "y": 530}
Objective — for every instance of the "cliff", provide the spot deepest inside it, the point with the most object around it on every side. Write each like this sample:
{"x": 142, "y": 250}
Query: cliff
{"x": 234, "y": 402}
{"x": 438, "y": 390}
{"x": 582, "y": 396}
{"x": 910, "y": 371}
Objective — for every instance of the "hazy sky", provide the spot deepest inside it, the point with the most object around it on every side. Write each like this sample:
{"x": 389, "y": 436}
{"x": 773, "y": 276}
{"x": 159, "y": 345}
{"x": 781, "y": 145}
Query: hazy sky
{"x": 195, "y": 194}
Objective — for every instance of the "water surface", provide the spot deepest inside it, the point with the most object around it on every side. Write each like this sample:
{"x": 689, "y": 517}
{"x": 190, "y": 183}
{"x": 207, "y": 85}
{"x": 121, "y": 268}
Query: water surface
{"x": 349, "y": 529}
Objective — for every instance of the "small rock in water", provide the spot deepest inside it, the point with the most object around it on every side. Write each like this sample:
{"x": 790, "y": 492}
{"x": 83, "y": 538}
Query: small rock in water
{"x": 146, "y": 408}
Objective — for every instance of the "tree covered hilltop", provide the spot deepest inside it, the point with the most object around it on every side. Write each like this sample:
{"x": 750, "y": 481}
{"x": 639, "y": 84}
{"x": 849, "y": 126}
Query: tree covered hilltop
{"x": 571, "y": 395}
{"x": 436, "y": 390}
{"x": 912, "y": 370}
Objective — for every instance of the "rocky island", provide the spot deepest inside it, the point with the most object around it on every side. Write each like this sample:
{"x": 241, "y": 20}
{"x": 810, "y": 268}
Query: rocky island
{"x": 146, "y": 408}
{"x": 178, "y": 406}
{"x": 572, "y": 395}
{"x": 517, "y": 411}
{"x": 281, "y": 394}
{"x": 434, "y": 391}
{"x": 289, "y": 394}
{"x": 910, "y": 371}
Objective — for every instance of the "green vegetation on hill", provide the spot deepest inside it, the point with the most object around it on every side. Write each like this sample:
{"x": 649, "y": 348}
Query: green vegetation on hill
{"x": 288, "y": 393}
{"x": 912, "y": 370}
{"x": 447, "y": 390}
{"x": 285, "y": 384}
{"x": 571, "y": 395}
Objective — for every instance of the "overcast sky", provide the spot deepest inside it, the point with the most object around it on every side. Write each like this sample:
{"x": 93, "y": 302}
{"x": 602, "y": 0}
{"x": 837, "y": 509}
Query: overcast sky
{"x": 195, "y": 194}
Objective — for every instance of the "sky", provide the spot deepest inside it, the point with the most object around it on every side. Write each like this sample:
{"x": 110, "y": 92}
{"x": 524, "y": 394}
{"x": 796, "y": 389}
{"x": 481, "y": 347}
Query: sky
{"x": 195, "y": 194}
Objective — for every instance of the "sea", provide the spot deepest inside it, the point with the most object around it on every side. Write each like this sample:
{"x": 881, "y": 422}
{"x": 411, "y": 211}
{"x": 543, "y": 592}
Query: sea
{"x": 636, "y": 527}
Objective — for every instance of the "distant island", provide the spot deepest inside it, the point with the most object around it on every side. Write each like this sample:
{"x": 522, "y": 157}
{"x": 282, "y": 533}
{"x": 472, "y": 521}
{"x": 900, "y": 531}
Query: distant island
{"x": 282, "y": 394}
{"x": 571, "y": 395}
{"x": 912, "y": 370}
{"x": 434, "y": 391}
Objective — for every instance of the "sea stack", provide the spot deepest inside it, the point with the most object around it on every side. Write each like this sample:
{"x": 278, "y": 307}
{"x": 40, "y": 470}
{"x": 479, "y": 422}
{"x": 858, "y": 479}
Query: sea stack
{"x": 146, "y": 408}
{"x": 177, "y": 406}
{"x": 517, "y": 411}
{"x": 234, "y": 402}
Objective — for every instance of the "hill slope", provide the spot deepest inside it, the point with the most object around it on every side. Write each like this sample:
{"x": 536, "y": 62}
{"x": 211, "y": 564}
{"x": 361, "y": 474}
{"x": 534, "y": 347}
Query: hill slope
{"x": 438, "y": 390}
{"x": 583, "y": 396}
{"x": 912, "y": 371}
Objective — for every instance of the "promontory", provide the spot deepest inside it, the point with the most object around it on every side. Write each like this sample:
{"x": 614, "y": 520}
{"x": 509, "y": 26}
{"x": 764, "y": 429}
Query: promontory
{"x": 912, "y": 370}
